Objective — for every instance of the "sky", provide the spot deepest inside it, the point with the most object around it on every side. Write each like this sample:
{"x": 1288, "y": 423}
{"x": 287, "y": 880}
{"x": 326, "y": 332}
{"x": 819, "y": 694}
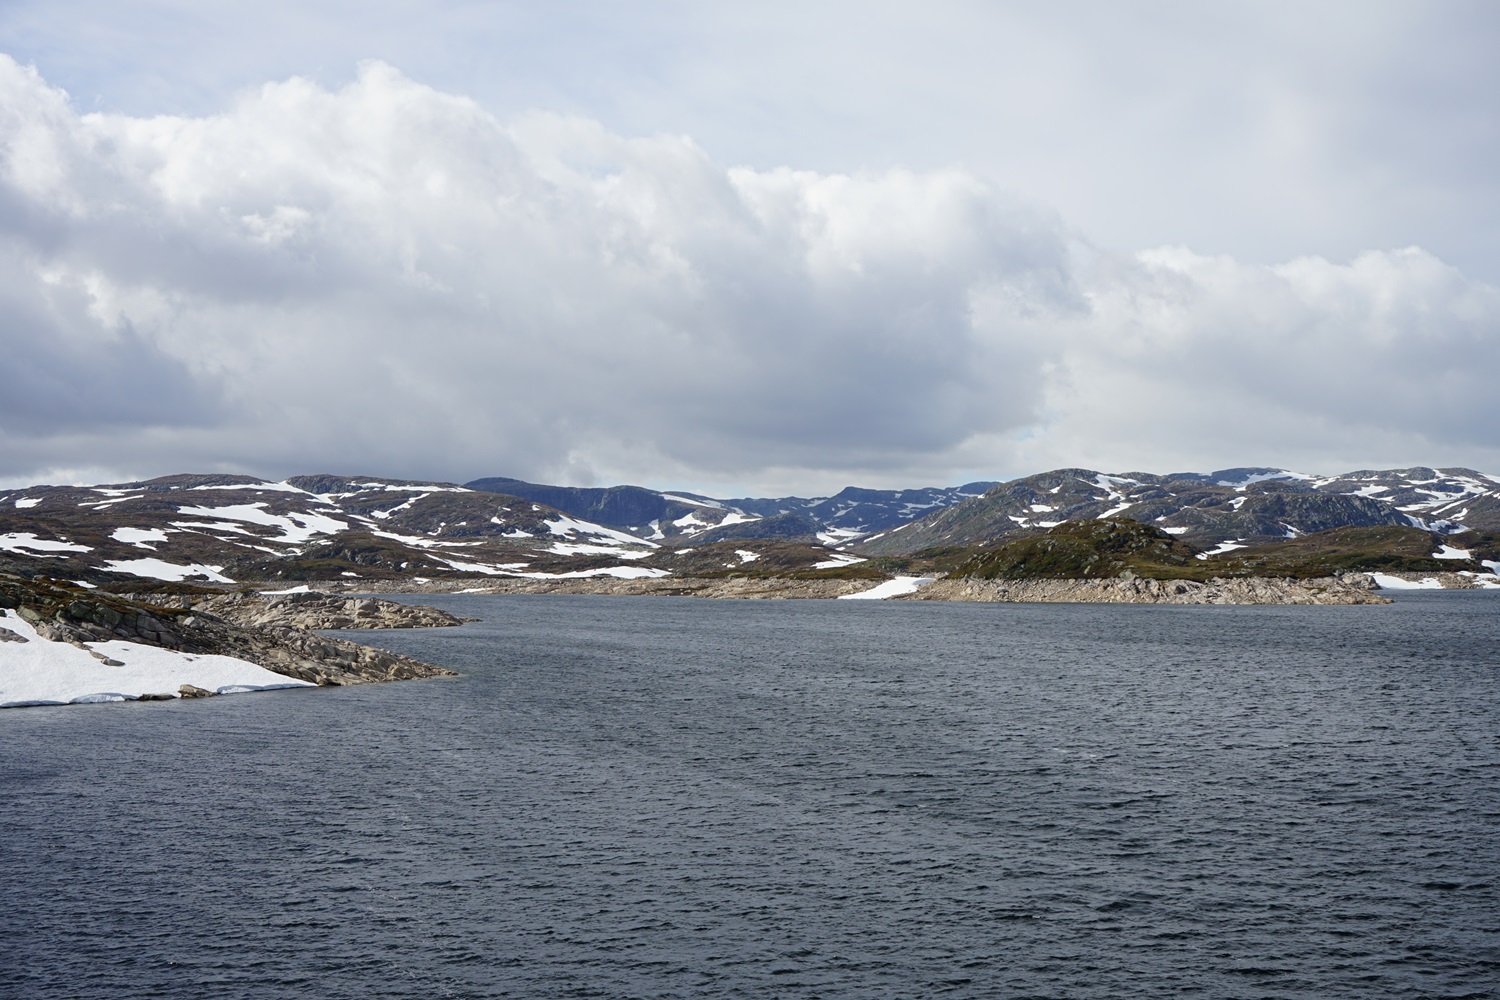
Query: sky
{"x": 746, "y": 249}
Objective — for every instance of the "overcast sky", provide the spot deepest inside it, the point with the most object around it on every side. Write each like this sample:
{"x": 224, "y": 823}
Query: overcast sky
{"x": 749, "y": 248}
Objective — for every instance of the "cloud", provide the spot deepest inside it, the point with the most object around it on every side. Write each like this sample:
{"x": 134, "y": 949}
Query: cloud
{"x": 1384, "y": 360}
{"x": 386, "y": 277}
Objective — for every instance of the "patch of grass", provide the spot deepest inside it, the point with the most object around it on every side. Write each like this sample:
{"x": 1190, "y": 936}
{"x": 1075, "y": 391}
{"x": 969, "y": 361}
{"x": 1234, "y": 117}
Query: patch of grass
{"x": 1380, "y": 548}
{"x": 1093, "y": 549}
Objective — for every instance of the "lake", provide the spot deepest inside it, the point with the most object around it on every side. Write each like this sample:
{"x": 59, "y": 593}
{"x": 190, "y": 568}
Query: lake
{"x": 663, "y": 797}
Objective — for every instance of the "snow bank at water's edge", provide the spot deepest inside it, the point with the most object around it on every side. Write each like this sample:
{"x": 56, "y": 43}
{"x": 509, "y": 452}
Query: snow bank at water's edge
{"x": 38, "y": 671}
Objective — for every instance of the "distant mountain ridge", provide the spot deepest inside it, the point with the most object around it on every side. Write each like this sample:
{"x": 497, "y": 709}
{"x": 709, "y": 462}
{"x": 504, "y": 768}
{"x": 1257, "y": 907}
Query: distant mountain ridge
{"x": 673, "y": 516}
{"x": 1233, "y": 507}
{"x": 224, "y": 529}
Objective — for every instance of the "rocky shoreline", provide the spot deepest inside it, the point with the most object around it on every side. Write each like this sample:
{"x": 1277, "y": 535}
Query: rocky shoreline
{"x": 313, "y": 610}
{"x": 274, "y": 635}
{"x": 1353, "y": 588}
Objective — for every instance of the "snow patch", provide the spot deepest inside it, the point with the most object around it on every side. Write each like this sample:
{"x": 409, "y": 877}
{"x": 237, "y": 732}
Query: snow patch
{"x": 618, "y": 572}
{"x": 1449, "y": 552}
{"x": 25, "y": 502}
{"x": 692, "y": 502}
{"x": 156, "y": 569}
{"x": 41, "y": 672}
{"x": 890, "y": 588}
{"x": 565, "y": 526}
{"x": 483, "y": 569}
{"x": 1397, "y": 583}
{"x": 383, "y": 514}
{"x": 21, "y": 541}
{"x": 837, "y": 561}
{"x": 141, "y": 538}
{"x": 420, "y": 488}
{"x": 583, "y": 549}
{"x": 1263, "y": 477}
{"x": 1220, "y": 549}
{"x": 258, "y": 488}
{"x": 295, "y": 527}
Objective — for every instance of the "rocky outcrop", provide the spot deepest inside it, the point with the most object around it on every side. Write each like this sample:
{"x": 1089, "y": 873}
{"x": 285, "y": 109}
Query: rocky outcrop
{"x": 1353, "y": 588}
{"x": 323, "y": 611}
{"x": 735, "y": 587}
{"x": 1350, "y": 589}
{"x": 63, "y": 613}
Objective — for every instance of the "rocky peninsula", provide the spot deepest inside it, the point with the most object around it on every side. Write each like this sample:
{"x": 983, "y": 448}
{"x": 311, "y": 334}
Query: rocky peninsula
{"x": 94, "y": 635}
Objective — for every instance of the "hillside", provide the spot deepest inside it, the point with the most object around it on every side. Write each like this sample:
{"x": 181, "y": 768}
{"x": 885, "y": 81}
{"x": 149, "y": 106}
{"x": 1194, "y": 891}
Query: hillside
{"x": 221, "y": 529}
{"x": 1120, "y": 547}
{"x": 675, "y": 518}
{"x": 372, "y": 533}
{"x": 1231, "y": 507}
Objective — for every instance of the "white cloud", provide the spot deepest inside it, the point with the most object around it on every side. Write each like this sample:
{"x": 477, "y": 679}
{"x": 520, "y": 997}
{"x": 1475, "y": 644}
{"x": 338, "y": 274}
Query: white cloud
{"x": 386, "y": 277}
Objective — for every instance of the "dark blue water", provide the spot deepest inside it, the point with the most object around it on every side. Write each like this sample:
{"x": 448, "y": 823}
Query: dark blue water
{"x": 661, "y": 797}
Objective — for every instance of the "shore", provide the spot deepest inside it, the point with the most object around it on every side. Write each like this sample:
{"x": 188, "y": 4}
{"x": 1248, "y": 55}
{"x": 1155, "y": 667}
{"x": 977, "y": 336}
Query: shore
{"x": 1355, "y": 588}
{"x": 60, "y": 644}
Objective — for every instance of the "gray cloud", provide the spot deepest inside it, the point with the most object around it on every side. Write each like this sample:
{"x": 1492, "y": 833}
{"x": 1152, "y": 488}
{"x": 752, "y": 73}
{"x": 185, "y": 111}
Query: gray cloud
{"x": 1263, "y": 130}
{"x": 387, "y": 277}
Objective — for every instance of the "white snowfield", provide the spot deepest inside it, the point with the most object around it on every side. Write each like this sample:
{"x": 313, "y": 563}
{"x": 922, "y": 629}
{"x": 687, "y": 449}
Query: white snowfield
{"x": 158, "y": 569}
{"x": 139, "y": 537}
{"x": 581, "y": 549}
{"x": 1396, "y": 583}
{"x": 567, "y": 527}
{"x": 21, "y": 542}
{"x": 1220, "y": 549}
{"x": 41, "y": 672}
{"x": 296, "y": 527}
{"x": 890, "y": 588}
{"x": 618, "y": 572}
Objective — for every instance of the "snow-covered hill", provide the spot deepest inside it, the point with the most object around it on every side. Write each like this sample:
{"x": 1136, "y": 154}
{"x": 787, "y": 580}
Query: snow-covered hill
{"x": 224, "y": 529}
{"x": 229, "y": 529}
{"x": 679, "y": 517}
{"x": 1231, "y": 507}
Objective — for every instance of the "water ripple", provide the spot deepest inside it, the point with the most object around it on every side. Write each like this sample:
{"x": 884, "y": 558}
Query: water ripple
{"x": 677, "y": 798}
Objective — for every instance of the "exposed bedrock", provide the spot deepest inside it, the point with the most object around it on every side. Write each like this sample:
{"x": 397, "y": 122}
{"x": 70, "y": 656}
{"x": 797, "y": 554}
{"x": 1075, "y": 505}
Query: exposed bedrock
{"x": 322, "y": 611}
{"x": 65, "y": 614}
{"x": 1349, "y": 589}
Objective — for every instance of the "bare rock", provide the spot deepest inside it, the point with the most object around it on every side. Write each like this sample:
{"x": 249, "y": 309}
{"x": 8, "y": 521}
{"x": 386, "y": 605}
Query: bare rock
{"x": 58, "y": 612}
{"x": 1348, "y": 589}
{"x": 322, "y": 611}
